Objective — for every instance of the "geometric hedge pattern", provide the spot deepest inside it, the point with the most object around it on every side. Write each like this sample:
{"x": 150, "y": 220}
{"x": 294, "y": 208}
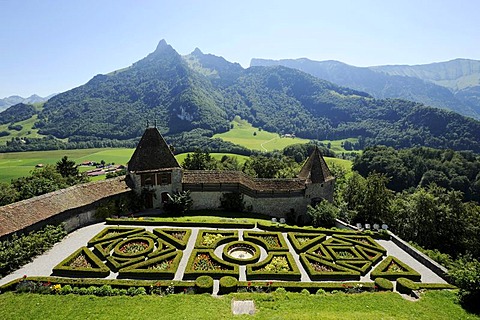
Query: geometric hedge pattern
{"x": 134, "y": 252}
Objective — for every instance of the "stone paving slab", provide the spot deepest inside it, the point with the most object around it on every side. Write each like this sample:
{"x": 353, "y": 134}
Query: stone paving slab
{"x": 243, "y": 307}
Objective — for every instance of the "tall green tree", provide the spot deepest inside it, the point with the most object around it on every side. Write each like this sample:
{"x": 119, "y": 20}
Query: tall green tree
{"x": 67, "y": 168}
{"x": 199, "y": 160}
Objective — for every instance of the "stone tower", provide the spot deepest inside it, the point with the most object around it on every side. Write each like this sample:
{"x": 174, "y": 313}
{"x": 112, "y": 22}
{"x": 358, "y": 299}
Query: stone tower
{"x": 153, "y": 171}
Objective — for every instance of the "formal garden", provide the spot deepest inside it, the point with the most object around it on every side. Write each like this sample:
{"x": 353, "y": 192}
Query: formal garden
{"x": 148, "y": 256}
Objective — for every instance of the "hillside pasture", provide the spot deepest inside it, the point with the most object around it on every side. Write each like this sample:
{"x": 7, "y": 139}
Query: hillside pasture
{"x": 246, "y": 135}
{"x": 27, "y": 130}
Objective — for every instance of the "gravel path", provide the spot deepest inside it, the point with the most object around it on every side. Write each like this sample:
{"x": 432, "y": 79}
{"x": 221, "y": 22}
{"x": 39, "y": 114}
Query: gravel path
{"x": 43, "y": 265}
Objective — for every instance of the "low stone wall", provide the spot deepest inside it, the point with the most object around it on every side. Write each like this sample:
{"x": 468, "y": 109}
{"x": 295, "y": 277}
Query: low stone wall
{"x": 438, "y": 269}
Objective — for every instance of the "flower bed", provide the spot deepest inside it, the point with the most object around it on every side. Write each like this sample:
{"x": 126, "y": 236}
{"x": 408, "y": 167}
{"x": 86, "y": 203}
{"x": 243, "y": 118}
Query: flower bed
{"x": 210, "y": 239}
{"x": 161, "y": 267}
{"x": 81, "y": 263}
{"x": 134, "y": 247}
{"x": 204, "y": 262}
{"x": 320, "y": 269}
{"x": 362, "y": 240}
{"x": 111, "y": 233}
{"x": 271, "y": 241}
{"x": 177, "y": 237}
{"x": 277, "y": 266}
{"x": 301, "y": 242}
{"x": 392, "y": 268}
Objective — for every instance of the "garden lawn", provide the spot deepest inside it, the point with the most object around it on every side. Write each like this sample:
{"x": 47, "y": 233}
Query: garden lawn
{"x": 433, "y": 305}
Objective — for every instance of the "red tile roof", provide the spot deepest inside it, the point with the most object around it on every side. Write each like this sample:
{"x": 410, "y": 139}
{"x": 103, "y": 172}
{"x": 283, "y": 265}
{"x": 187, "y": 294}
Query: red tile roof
{"x": 19, "y": 215}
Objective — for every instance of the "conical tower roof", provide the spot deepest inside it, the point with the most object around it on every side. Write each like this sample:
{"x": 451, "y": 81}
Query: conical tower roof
{"x": 315, "y": 168}
{"x": 152, "y": 154}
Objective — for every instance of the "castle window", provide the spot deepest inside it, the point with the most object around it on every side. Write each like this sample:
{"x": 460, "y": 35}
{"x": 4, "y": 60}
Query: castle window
{"x": 147, "y": 180}
{"x": 164, "y": 178}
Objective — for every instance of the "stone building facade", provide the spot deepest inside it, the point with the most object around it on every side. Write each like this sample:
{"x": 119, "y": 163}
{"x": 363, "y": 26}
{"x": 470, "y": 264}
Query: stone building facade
{"x": 154, "y": 171}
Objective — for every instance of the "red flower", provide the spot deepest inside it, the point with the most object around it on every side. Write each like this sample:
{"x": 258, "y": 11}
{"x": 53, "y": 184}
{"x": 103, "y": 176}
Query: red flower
{"x": 249, "y": 283}
{"x": 24, "y": 276}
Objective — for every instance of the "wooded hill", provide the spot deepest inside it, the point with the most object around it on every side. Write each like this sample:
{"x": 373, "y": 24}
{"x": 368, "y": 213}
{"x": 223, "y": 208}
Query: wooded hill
{"x": 452, "y": 85}
{"x": 194, "y": 96}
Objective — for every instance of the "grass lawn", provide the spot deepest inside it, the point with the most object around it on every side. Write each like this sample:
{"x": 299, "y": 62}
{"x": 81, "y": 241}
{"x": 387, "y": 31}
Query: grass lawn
{"x": 433, "y": 305}
{"x": 243, "y": 135}
{"x": 19, "y": 164}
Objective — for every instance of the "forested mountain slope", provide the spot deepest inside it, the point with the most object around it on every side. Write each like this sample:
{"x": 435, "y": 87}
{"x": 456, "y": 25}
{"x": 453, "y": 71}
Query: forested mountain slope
{"x": 195, "y": 96}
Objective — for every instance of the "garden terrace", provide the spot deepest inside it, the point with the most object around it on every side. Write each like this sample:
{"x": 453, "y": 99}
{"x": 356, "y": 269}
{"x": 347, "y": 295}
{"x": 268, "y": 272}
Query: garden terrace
{"x": 304, "y": 258}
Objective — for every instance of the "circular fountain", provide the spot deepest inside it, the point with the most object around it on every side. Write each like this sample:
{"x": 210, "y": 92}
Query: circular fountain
{"x": 241, "y": 252}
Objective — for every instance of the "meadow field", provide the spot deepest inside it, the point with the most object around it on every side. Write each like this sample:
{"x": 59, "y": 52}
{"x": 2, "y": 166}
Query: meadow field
{"x": 19, "y": 164}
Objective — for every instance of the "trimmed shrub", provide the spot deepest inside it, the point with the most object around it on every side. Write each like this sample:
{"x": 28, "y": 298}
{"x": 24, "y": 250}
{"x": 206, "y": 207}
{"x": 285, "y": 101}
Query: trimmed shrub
{"x": 162, "y": 267}
{"x": 82, "y": 263}
{"x": 383, "y": 284}
{"x": 406, "y": 286}
{"x": 172, "y": 235}
{"x": 277, "y": 265}
{"x": 176, "y": 223}
{"x": 392, "y": 268}
{"x": 362, "y": 240}
{"x": 210, "y": 239}
{"x": 228, "y": 284}
{"x": 301, "y": 242}
{"x": 321, "y": 269}
{"x": 111, "y": 233}
{"x": 204, "y": 284}
{"x": 205, "y": 262}
{"x": 241, "y": 244}
{"x": 271, "y": 241}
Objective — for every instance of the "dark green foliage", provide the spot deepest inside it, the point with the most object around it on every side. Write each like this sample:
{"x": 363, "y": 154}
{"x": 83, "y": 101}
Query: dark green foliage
{"x": 67, "y": 168}
{"x": 383, "y": 284}
{"x": 15, "y": 127}
{"x": 274, "y": 166}
{"x": 18, "y": 250}
{"x": 437, "y": 219}
{"x": 323, "y": 214}
{"x": 232, "y": 201}
{"x": 228, "y": 285}
{"x": 414, "y": 167}
{"x": 465, "y": 273}
{"x": 199, "y": 160}
{"x": 204, "y": 284}
{"x": 392, "y": 268}
{"x": 178, "y": 203}
{"x": 17, "y": 113}
{"x": 112, "y": 109}
{"x": 8, "y": 194}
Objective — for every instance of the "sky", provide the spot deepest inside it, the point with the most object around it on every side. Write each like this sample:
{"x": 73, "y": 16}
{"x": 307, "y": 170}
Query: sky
{"x": 51, "y": 46}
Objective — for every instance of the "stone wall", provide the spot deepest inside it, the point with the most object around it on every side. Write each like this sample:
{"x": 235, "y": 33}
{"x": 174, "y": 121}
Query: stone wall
{"x": 274, "y": 207}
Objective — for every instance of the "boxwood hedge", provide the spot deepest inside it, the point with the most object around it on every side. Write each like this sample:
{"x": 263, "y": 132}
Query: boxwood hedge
{"x": 382, "y": 270}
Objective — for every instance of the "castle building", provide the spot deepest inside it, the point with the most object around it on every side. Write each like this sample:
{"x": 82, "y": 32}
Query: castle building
{"x": 154, "y": 172}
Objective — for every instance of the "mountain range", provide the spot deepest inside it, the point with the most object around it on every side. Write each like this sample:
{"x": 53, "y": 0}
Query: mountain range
{"x": 194, "y": 96}
{"x": 452, "y": 85}
{"x": 13, "y": 100}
